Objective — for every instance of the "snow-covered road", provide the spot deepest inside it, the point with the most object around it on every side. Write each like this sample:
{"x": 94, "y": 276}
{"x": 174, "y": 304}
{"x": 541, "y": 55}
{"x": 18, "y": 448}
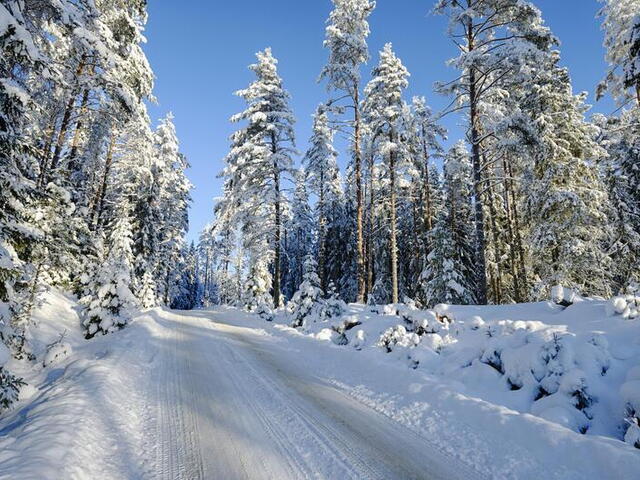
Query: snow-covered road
{"x": 231, "y": 405}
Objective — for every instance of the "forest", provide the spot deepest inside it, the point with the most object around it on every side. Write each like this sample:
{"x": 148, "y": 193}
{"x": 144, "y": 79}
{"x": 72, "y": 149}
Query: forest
{"x": 539, "y": 199}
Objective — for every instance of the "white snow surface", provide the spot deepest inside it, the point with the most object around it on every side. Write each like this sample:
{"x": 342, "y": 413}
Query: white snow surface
{"x": 219, "y": 393}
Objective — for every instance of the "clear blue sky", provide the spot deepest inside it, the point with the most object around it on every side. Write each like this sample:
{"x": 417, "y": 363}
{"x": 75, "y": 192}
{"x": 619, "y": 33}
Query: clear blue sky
{"x": 200, "y": 50}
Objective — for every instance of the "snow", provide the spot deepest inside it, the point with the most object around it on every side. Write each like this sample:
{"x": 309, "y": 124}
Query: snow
{"x": 219, "y": 393}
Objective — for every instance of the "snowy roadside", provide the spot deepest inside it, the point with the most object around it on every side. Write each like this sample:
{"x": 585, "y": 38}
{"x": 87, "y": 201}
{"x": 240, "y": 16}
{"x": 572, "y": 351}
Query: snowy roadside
{"x": 85, "y": 415}
{"x": 465, "y": 408}
{"x": 94, "y": 413}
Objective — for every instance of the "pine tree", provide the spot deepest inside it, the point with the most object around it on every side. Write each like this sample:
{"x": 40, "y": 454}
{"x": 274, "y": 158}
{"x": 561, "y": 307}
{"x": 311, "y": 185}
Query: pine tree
{"x": 323, "y": 177}
{"x": 488, "y": 63}
{"x": 109, "y": 300}
{"x": 621, "y": 24}
{"x": 346, "y": 40}
{"x": 260, "y": 157}
{"x": 567, "y": 200}
{"x": 449, "y": 275}
{"x": 299, "y": 237}
{"x": 308, "y": 304}
{"x": 147, "y": 294}
{"x": 384, "y": 114}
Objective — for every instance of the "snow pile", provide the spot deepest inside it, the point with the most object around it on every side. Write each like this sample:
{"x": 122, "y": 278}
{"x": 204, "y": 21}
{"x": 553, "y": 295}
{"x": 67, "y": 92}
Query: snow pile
{"x": 565, "y": 366}
{"x": 627, "y": 305}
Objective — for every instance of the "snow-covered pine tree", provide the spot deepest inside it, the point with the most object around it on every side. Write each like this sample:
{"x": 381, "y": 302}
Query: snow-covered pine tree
{"x": 426, "y": 137}
{"x": 174, "y": 198}
{"x": 255, "y": 293}
{"x": 621, "y": 25}
{"x": 346, "y": 40}
{"x": 148, "y": 292}
{"x": 449, "y": 274}
{"x": 620, "y": 137}
{"x": 308, "y": 304}
{"x": 186, "y": 291}
{"x": 260, "y": 157}
{"x": 323, "y": 178}
{"x": 567, "y": 200}
{"x": 384, "y": 113}
{"x": 109, "y": 300}
{"x": 488, "y": 61}
{"x": 299, "y": 237}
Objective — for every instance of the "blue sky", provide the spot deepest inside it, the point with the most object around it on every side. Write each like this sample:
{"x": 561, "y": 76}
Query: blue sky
{"x": 200, "y": 50}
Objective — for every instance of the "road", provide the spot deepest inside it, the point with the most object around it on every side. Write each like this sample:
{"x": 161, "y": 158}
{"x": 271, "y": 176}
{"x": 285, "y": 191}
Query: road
{"x": 231, "y": 406}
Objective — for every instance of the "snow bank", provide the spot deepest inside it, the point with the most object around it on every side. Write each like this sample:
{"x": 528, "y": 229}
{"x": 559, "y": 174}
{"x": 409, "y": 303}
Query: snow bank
{"x": 567, "y": 363}
{"x": 85, "y": 411}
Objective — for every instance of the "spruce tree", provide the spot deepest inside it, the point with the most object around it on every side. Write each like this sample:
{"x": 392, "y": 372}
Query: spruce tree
{"x": 346, "y": 40}
{"x": 109, "y": 301}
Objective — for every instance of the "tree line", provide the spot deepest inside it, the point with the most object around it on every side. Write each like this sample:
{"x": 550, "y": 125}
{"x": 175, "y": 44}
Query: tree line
{"x": 536, "y": 194}
{"x": 92, "y": 199}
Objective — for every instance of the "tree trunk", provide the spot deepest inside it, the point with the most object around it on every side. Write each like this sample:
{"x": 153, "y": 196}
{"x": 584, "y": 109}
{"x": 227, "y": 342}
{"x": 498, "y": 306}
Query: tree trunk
{"x": 64, "y": 126}
{"x": 497, "y": 277}
{"x": 480, "y": 246}
{"x": 513, "y": 261}
{"x": 78, "y": 129}
{"x": 392, "y": 215}
{"x": 359, "y": 202}
{"x": 518, "y": 235}
{"x": 102, "y": 192}
{"x": 428, "y": 207}
{"x": 371, "y": 256}
{"x": 322, "y": 270}
{"x": 278, "y": 222}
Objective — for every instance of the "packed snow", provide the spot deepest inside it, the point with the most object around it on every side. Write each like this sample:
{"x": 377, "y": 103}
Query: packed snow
{"x": 522, "y": 391}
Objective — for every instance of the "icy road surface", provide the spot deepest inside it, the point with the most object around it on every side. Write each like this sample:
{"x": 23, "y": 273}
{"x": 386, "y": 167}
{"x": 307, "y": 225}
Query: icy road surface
{"x": 235, "y": 404}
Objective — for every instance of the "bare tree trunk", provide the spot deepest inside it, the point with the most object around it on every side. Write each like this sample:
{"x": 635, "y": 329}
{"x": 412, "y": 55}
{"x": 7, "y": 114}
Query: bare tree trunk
{"x": 78, "y": 129}
{"x": 497, "y": 277}
{"x": 371, "y": 256}
{"x": 278, "y": 227}
{"x": 64, "y": 126}
{"x": 322, "y": 270}
{"x": 359, "y": 202}
{"x": 392, "y": 214}
{"x": 428, "y": 210}
{"x": 480, "y": 246}
{"x": 513, "y": 261}
{"x": 102, "y": 192}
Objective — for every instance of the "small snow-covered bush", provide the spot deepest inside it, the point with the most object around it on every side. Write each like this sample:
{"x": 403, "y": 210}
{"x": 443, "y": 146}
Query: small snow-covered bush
{"x": 55, "y": 353}
{"x": 397, "y": 336}
{"x": 308, "y": 304}
{"x": 563, "y": 296}
{"x": 334, "y": 307}
{"x": 9, "y": 384}
{"x": 626, "y": 305}
{"x": 359, "y": 340}
{"x": 630, "y": 393}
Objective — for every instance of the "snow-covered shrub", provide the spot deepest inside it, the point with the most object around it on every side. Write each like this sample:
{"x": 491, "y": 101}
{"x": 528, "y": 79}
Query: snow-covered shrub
{"x": 9, "y": 383}
{"x": 109, "y": 299}
{"x": 56, "y": 352}
{"x": 630, "y": 393}
{"x": 334, "y": 306}
{"x": 563, "y": 296}
{"x": 424, "y": 321}
{"x": 626, "y": 305}
{"x": 359, "y": 340}
{"x": 308, "y": 303}
{"x": 397, "y": 336}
